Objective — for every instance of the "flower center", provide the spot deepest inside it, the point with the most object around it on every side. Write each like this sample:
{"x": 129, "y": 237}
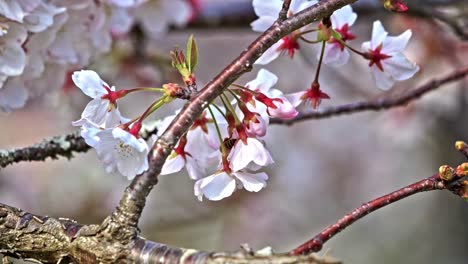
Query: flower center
{"x": 376, "y": 57}
{"x": 124, "y": 150}
{"x": 289, "y": 45}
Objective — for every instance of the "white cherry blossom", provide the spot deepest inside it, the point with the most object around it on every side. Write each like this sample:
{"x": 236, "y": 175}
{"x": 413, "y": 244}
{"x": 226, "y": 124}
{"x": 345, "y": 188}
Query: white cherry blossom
{"x": 102, "y": 109}
{"x": 222, "y": 184}
{"x": 122, "y": 152}
{"x": 336, "y": 53}
{"x": 387, "y": 61}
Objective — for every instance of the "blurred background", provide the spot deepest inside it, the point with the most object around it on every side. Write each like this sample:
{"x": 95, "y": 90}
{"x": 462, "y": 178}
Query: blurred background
{"x": 323, "y": 169}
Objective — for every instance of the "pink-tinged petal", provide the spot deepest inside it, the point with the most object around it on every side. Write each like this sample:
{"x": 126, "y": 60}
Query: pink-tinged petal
{"x": 295, "y": 98}
{"x": 90, "y": 83}
{"x": 262, "y": 23}
{"x": 267, "y": 8}
{"x": 216, "y": 187}
{"x": 257, "y": 129}
{"x": 263, "y": 82}
{"x": 343, "y": 16}
{"x": 270, "y": 54}
{"x": 252, "y": 182}
{"x": 285, "y": 109}
{"x": 334, "y": 55}
{"x": 399, "y": 67}
{"x": 378, "y": 34}
{"x": 396, "y": 44}
{"x": 174, "y": 163}
{"x": 382, "y": 79}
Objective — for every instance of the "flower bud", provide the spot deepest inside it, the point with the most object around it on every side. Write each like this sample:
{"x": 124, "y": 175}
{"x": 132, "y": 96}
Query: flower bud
{"x": 446, "y": 172}
{"x": 462, "y": 169}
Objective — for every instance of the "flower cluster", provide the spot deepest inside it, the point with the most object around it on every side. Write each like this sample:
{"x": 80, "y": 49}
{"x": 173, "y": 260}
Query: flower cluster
{"x": 41, "y": 40}
{"x": 384, "y": 53}
{"x": 228, "y": 139}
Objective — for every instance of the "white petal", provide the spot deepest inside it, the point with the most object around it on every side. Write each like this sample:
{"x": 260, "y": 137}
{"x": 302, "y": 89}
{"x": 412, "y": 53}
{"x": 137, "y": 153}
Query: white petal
{"x": 334, "y": 56}
{"x": 267, "y": 8}
{"x": 299, "y": 5}
{"x": 95, "y": 111}
{"x": 396, "y": 44}
{"x": 90, "y": 83}
{"x": 217, "y": 186}
{"x": 343, "y": 16}
{"x": 270, "y": 54}
{"x": 262, "y": 23}
{"x": 252, "y": 182}
{"x": 378, "y": 34}
{"x": 399, "y": 67}
{"x": 382, "y": 79}
{"x": 263, "y": 82}
{"x": 174, "y": 163}
{"x": 243, "y": 154}
{"x": 139, "y": 144}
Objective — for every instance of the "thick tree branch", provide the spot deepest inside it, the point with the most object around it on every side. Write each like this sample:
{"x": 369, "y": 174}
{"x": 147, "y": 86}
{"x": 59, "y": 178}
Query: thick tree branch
{"x": 128, "y": 212}
{"x": 434, "y": 182}
{"x": 382, "y": 104}
{"x": 49, "y": 240}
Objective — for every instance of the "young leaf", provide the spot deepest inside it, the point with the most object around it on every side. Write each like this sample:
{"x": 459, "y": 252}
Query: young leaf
{"x": 192, "y": 54}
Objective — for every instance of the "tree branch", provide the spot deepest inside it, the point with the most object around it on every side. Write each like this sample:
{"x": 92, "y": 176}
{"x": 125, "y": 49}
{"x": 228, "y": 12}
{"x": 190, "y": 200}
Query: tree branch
{"x": 283, "y": 14}
{"x": 49, "y": 240}
{"x": 434, "y": 182}
{"x": 49, "y": 148}
{"x": 384, "y": 103}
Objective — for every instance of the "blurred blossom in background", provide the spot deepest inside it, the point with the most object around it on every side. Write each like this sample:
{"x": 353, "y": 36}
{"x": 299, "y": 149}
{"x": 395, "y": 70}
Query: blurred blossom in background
{"x": 323, "y": 169}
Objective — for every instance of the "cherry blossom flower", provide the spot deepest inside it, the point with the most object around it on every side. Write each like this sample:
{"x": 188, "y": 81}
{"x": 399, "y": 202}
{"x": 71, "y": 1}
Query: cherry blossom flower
{"x": 386, "y": 59}
{"x": 122, "y": 152}
{"x": 269, "y": 101}
{"x": 222, "y": 184}
{"x": 102, "y": 110}
{"x": 268, "y": 11}
{"x": 335, "y": 52}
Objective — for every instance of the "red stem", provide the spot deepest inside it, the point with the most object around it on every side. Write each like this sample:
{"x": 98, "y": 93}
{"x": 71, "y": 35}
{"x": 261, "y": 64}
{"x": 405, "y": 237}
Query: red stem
{"x": 315, "y": 244}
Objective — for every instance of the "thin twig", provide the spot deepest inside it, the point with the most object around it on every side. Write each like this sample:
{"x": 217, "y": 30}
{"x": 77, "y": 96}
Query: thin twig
{"x": 429, "y": 184}
{"x": 283, "y": 14}
{"x": 53, "y": 147}
{"x": 378, "y": 105}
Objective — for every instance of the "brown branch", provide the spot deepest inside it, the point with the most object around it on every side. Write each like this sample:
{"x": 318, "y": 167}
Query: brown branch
{"x": 53, "y": 148}
{"x": 382, "y": 104}
{"x": 49, "y": 240}
{"x": 283, "y": 14}
{"x": 126, "y": 215}
{"x": 434, "y": 182}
